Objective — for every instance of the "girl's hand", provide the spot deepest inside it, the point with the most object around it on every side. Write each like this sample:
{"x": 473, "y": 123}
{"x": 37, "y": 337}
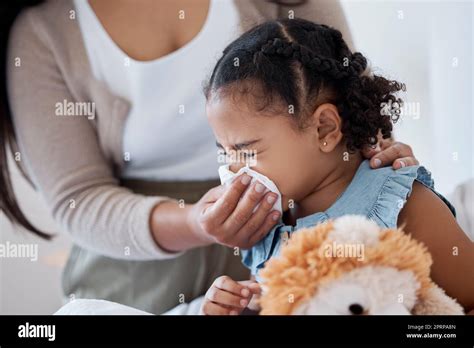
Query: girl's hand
{"x": 225, "y": 215}
{"x": 389, "y": 152}
{"x": 228, "y": 297}
{"x": 256, "y": 292}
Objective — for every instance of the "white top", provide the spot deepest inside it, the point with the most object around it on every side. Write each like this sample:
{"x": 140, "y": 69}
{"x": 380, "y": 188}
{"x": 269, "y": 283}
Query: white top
{"x": 166, "y": 135}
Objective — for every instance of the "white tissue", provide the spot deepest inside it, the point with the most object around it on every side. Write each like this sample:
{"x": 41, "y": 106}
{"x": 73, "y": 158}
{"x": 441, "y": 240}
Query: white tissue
{"x": 226, "y": 176}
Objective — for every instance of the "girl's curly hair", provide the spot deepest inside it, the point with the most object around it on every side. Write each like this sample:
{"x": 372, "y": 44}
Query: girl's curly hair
{"x": 298, "y": 64}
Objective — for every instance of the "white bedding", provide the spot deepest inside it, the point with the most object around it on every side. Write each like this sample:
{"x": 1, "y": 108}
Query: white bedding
{"x": 102, "y": 307}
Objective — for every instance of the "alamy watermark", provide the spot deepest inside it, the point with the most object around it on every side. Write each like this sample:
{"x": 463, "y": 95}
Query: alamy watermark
{"x": 396, "y": 110}
{"x": 28, "y": 330}
{"x": 355, "y": 250}
{"x": 69, "y": 108}
{"x": 249, "y": 157}
{"x": 14, "y": 250}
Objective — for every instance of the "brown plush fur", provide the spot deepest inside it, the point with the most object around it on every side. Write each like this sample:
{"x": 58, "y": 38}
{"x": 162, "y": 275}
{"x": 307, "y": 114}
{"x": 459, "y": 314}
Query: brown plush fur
{"x": 294, "y": 276}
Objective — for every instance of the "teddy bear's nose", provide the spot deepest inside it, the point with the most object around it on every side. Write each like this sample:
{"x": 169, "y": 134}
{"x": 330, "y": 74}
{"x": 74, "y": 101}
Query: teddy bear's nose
{"x": 356, "y": 309}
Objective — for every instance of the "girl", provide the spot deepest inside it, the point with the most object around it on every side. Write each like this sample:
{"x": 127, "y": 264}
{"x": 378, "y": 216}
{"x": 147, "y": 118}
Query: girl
{"x": 292, "y": 92}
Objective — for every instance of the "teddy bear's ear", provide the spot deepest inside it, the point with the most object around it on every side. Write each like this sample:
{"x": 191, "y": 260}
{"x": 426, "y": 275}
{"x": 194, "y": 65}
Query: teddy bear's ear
{"x": 436, "y": 302}
{"x": 355, "y": 229}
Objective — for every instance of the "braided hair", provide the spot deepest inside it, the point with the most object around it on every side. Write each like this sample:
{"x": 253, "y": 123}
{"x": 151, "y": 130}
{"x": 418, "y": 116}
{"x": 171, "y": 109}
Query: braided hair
{"x": 330, "y": 67}
{"x": 297, "y": 63}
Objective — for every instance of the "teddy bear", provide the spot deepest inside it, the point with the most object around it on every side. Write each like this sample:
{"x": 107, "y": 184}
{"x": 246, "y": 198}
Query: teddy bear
{"x": 351, "y": 266}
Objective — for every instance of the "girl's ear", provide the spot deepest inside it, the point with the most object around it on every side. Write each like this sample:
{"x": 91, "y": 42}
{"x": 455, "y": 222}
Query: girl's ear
{"x": 328, "y": 123}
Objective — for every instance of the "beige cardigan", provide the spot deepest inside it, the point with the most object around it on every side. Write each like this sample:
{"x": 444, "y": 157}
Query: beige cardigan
{"x": 75, "y": 162}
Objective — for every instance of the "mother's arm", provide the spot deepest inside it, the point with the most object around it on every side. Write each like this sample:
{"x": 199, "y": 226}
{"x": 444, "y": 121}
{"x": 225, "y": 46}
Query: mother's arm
{"x": 64, "y": 159}
{"x": 328, "y": 12}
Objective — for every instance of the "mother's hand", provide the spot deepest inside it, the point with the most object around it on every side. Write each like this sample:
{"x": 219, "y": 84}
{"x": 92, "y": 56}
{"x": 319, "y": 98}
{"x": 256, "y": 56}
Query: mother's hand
{"x": 225, "y": 214}
{"x": 389, "y": 152}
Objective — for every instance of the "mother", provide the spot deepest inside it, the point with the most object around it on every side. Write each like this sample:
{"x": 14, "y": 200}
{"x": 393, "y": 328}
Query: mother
{"x": 105, "y": 106}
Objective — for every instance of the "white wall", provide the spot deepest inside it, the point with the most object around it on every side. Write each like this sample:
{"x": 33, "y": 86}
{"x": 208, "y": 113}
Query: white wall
{"x": 31, "y": 287}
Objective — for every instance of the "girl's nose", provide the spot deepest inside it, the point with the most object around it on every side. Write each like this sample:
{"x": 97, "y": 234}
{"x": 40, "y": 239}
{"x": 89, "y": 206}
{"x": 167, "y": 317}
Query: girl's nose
{"x": 235, "y": 167}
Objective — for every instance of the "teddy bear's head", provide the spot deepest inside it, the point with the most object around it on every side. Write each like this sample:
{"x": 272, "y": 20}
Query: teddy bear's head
{"x": 352, "y": 266}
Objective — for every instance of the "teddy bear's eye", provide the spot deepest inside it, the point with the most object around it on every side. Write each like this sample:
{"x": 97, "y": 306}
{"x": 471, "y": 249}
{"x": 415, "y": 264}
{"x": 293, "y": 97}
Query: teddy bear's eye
{"x": 356, "y": 309}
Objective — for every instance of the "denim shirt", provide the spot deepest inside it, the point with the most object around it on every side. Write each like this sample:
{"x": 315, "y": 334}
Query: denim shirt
{"x": 378, "y": 194}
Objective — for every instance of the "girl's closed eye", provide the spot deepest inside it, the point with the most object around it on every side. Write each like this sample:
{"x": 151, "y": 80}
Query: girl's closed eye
{"x": 243, "y": 154}
{"x": 249, "y": 153}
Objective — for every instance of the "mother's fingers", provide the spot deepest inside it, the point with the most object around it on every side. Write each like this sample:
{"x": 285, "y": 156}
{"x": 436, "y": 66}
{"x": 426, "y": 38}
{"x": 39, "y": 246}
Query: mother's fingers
{"x": 226, "y": 204}
{"x": 405, "y": 162}
{"x": 245, "y": 207}
{"x": 213, "y": 194}
{"x": 388, "y": 156}
{"x": 253, "y": 237}
{"x": 370, "y": 151}
{"x": 244, "y": 217}
{"x": 385, "y": 143}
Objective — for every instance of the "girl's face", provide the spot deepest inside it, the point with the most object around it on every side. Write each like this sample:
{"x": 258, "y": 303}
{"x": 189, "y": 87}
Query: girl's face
{"x": 289, "y": 157}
